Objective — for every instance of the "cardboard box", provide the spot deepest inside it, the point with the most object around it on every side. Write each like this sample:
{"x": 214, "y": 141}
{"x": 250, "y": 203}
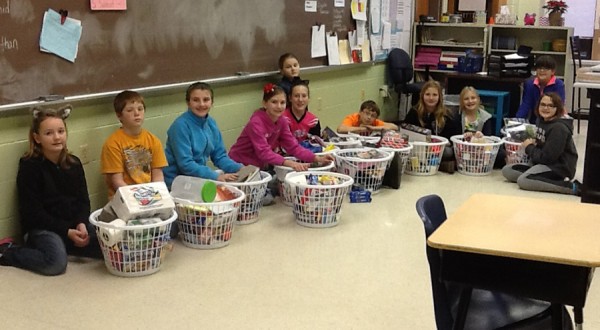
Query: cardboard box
{"x": 141, "y": 201}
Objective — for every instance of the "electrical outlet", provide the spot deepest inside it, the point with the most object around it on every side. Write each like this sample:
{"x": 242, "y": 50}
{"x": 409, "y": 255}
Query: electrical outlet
{"x": 362, "y": 94}
{"x": 319, "y": 104}
{"x": 383, "y": 92}
{"x": 84, "y": 154}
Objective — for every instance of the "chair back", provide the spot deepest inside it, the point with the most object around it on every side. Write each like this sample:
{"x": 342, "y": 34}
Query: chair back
{"x": 432, "y": 211}
{"x": 400, "y": 66}
{"x": 575, "y": 54}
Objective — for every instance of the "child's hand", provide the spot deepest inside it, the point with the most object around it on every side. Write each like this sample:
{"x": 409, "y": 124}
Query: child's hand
{"x": 360, "y": 129}
{"x": 227, "y": 177}
{"x": 374, "y": 128}
{"x": 467, "y": 136}
{"x": 79, "y": 237}
{"x": 478, "y": 134}
{"x": 298, "y": 167}
{"x": 527, "y": 142}
{"x": 324, "y": 159}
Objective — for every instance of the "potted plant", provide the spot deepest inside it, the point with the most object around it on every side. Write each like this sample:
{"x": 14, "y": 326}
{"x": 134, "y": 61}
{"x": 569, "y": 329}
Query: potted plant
{"x": 555, "y": 9}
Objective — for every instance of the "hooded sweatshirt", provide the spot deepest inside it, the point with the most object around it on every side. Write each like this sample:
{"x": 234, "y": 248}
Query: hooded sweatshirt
{"x": 555, "y": 147}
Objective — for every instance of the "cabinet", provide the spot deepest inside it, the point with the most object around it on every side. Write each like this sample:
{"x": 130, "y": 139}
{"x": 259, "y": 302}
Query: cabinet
{"x": 492, "y": 39}
{"x": 505, "y": 39}
{"x": 451, "y": 38}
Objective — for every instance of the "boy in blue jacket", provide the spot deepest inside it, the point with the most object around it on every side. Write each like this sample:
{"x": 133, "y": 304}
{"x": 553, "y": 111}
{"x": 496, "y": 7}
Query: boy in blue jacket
{"x": 543, "y": 82}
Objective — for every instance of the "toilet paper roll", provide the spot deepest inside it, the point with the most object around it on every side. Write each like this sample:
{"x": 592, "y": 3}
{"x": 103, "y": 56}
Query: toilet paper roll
{"x": 111, "y": 236}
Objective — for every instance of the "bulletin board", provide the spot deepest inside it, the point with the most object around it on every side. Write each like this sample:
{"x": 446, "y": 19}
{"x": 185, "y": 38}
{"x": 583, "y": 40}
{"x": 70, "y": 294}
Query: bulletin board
{"x": 156, "y": 42}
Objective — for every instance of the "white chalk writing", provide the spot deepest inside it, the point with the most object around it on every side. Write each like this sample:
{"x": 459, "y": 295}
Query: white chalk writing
{"x": 7, "y": 44}
{"x": 5, "y": 9}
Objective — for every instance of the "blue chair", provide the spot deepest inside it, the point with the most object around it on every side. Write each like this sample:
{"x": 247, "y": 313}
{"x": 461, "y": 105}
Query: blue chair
{"x": 487, "y": 309}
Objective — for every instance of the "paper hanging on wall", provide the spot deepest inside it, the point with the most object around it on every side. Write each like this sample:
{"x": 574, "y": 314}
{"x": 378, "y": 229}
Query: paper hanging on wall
{"x": 108, "y": 4}
{"x": 60, "y": 35}
{"x": 386, "y": 40}
{"x": 359, "y": 10}
{"x": 333, "y": 53}
{"x": 344, "y": 51}
{"x": 366, "y": 51}
{"x": 318, "y": 41}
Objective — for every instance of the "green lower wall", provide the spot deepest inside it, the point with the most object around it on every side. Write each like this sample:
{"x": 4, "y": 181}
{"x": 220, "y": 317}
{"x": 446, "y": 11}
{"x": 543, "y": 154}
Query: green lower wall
{"x": 334, "y": 94}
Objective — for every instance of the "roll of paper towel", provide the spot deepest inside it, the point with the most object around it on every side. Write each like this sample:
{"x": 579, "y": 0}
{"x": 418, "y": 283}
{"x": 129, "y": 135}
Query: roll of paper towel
{"x": 113, "y": 235}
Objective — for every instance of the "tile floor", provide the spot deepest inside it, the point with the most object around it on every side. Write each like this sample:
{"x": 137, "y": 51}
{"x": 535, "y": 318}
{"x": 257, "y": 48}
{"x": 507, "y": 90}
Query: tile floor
{"x": 369, "y": 272}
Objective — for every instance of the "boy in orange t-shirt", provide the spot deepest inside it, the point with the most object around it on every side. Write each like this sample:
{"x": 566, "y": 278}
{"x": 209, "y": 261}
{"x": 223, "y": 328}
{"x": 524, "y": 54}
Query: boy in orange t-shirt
{"x": 365, "y": 120}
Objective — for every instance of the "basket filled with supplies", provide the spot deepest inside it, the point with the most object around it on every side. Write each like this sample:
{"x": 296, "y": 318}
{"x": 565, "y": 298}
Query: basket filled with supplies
{"x": 281, "y": 172}
{"x": 366, "y": 166}
{"x": 514, "y": 153}
{"x": 136, "y": 247}
{"x": 206, "y": 211}
{"x": 254, "y": 186}
{"x": 318, "y": 196}
{"x": 475, "y": 155}
{"x": 425, "y": 157}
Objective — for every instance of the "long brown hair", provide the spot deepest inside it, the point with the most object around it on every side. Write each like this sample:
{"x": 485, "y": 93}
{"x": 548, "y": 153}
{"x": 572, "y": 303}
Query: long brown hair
{"x": 35, "y": 149}
{"x": 440, "y": 111}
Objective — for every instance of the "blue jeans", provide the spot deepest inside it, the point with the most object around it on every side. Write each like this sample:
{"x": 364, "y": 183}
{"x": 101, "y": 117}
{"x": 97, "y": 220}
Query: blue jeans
{"x": 45, "y": 253}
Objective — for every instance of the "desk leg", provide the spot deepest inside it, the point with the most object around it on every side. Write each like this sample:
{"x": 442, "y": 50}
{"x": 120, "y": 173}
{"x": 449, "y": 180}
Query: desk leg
{"x": 463, "y": 308}
{"x": 578, "y": 314}
{"x": 557, "y": 316}
{"x": 499, "y": 115}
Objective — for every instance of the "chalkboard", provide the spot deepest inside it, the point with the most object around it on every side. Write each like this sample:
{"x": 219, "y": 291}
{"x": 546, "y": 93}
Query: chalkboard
{"x": 156, "y": 42}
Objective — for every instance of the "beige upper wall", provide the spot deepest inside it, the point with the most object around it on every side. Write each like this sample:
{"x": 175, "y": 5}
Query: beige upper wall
{"x": 334, "y": 94}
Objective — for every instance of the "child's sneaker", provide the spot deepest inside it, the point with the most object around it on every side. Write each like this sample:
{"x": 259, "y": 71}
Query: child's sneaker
{"x": 576, "y": 188}
{"x": 5, "y": 244}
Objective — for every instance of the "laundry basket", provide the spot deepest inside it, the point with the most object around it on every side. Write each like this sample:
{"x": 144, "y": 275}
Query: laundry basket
{"x": 476, "y": 158}
{"x": 403, "y": 153}
{"x": 346, "y": 141}
{"x": 514, "y": 153}
{"x": 205, "y": 225}
{"x": 318, "y": 196}
{"x": 365, "y": 165}
{"x": 425, "y": 157}
{"x": 133, "y": 248}
{"x": 252, "y": 203}
{"x": 281, "y": 171}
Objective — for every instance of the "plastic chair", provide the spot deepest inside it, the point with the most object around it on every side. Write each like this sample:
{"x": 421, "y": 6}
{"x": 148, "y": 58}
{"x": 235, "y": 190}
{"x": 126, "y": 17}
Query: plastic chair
{"x": 401, "y": 73}
{"x": 487, "y": 309}
{"x": 576, "y": 57}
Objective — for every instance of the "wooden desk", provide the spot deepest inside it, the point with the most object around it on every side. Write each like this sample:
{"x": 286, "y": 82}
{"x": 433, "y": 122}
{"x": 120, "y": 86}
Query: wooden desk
{"x": 538, "y": 248}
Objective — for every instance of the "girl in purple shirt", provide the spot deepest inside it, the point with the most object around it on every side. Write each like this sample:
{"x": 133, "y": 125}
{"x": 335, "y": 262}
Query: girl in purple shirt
{"x": 267, "y": 132}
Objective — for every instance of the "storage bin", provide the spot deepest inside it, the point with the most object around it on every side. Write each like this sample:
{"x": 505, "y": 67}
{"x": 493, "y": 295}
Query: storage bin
{"x": 425, "y": 157}
{"x": 475, "y": 158}
{"x": 136, "y": 247}
{"x": 316, "y": 204}
{"x": 366, "y": 166}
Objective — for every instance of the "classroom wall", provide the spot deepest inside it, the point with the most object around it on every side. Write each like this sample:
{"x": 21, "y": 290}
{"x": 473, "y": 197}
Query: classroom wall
{"x": 334, "y": 94}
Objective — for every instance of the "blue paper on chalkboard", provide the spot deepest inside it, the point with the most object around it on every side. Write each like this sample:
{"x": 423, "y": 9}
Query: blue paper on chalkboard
{"x": 60, "y": 38}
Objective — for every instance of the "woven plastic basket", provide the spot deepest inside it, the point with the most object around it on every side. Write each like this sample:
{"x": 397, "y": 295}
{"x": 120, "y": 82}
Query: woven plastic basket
{"x": 403, "y": 152}
{"x": 205, "y": 225}
{"x": 514, "y": 153}
{"x": 135, "y": 248}
{"x": 476, "y": 158}
{"x": 318, "y": 205}
{"x": 280, "y": 173}
{"x": 252, "y": 203}
{"x": 346, "y": 141}
{"x": 366, "y": 166}
{"x": 425, "y": 157}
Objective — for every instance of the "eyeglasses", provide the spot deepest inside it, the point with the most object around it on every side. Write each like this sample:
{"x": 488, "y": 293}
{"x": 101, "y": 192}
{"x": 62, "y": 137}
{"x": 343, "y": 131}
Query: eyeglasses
{"x": 548, "y": 106}
{"x": 370, "y": 114}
